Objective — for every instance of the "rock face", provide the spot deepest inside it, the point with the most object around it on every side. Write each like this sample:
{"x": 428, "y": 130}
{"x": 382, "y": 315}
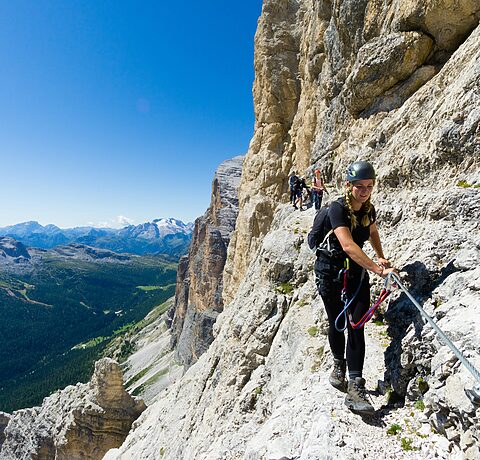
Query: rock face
{"x": 276, "y": 93}
{"x": 10, "y": 248}
{"x": 398, "y": 84}
{"x": 198, "y": 297}
{"x": 79, "y": 422}
{"x": 261, "y": 391}
{"x": 4, "y": 419}
{"x": 338, "y": 80}
{"x": 381, "y": 64}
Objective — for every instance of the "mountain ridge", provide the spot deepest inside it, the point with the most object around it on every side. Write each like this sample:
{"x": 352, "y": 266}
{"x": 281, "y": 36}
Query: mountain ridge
{"x": 168, "y": 236}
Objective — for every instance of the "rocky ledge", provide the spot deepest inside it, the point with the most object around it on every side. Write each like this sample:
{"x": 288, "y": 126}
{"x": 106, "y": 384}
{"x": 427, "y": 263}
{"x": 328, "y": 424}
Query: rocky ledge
{"x": 80, "y": 422}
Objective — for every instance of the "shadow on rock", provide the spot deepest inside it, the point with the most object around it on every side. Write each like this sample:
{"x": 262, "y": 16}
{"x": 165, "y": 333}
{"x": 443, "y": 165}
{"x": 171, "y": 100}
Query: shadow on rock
{"x": 402, "y": 365}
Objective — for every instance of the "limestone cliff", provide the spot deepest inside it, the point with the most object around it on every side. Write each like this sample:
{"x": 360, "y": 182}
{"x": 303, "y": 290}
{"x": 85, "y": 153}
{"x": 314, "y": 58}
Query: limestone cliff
{"x": 334, "y": 82}
{"x": 78, "y": 423}
{"x": 396, "y": 83}
{"x": 198, "y": 296}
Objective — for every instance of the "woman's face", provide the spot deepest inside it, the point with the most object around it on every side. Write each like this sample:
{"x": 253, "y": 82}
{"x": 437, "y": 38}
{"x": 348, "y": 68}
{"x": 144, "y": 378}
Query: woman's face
{"x": 362, "y": 189}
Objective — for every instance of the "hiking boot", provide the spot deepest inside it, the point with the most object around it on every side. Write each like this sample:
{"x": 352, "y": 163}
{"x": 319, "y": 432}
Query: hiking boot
{"x": 337, "y": 377}
{"x": 356, "y": 399}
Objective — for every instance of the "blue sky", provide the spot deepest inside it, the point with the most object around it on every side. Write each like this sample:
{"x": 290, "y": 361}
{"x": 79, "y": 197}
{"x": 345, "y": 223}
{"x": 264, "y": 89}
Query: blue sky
{"x": 119, "y": 107}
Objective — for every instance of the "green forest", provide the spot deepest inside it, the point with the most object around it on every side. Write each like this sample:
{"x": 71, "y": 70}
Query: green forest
{"x": 57, "y": 320}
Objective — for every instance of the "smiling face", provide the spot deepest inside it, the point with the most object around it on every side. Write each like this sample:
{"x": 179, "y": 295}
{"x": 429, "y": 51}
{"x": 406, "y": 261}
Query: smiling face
{"x": 361, "y": 191}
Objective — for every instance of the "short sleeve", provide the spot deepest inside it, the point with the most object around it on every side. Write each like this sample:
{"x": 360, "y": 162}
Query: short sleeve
{"x": 338, "y": 216}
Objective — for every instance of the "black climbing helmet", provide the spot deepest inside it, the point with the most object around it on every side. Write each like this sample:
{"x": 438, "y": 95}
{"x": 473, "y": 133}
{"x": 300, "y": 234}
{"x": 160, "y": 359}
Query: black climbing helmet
{"x": 360, "y": 170}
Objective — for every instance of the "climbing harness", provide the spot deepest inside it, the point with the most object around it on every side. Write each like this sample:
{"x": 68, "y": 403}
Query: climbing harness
{"x": 474, "y": 393}
{"x": 346, "y": 313}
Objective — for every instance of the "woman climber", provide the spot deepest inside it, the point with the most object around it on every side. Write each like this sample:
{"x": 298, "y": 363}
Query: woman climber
{"x": 344, "y": 227}
{"x": 318, "y": 187}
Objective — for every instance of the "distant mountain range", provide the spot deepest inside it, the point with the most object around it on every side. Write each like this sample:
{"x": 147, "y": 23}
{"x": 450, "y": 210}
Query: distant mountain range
{"x": 166, "y": 236}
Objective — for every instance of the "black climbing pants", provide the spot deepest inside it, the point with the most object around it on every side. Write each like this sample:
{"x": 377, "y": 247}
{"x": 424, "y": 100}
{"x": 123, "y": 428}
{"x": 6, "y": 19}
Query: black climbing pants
{"x": 330, "y": 285}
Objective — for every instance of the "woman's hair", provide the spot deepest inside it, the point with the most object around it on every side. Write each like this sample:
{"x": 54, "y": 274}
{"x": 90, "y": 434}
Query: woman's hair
{"x": 366, "y": 209}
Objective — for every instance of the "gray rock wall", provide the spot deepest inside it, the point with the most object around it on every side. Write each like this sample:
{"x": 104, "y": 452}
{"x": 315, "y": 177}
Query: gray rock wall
{"x": 339, "y": 80}
{"x": 198, "y": 296}
{"x": 261, "y": 390}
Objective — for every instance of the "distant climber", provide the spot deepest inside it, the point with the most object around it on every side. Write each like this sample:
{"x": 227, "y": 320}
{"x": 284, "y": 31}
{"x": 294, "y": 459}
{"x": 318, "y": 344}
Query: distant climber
{"x": 350, "y": 222}
{"x": 300, "y": 187}
{"x": 293, "y": 183}
{"x": 318, "y": 187}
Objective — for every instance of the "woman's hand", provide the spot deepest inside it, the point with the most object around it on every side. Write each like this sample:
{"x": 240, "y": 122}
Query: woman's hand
{"x": 384, "y": 263}
{"x": 387, "y": 271}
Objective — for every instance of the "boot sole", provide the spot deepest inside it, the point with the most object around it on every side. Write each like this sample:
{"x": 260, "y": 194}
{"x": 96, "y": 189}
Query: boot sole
{"x": 356, "y": 410}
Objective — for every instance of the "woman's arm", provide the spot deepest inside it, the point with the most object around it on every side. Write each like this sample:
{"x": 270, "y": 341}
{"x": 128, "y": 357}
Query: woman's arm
{"x": 354, "y": 251}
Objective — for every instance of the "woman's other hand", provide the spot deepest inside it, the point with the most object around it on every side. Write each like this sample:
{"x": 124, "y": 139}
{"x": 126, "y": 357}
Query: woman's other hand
{"x": 384, "y": 263}
{"x": 387, "y": 271}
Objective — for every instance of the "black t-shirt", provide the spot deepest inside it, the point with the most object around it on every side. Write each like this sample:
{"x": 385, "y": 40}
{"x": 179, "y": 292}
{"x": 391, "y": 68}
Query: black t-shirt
{"x": 339, "y": 216}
